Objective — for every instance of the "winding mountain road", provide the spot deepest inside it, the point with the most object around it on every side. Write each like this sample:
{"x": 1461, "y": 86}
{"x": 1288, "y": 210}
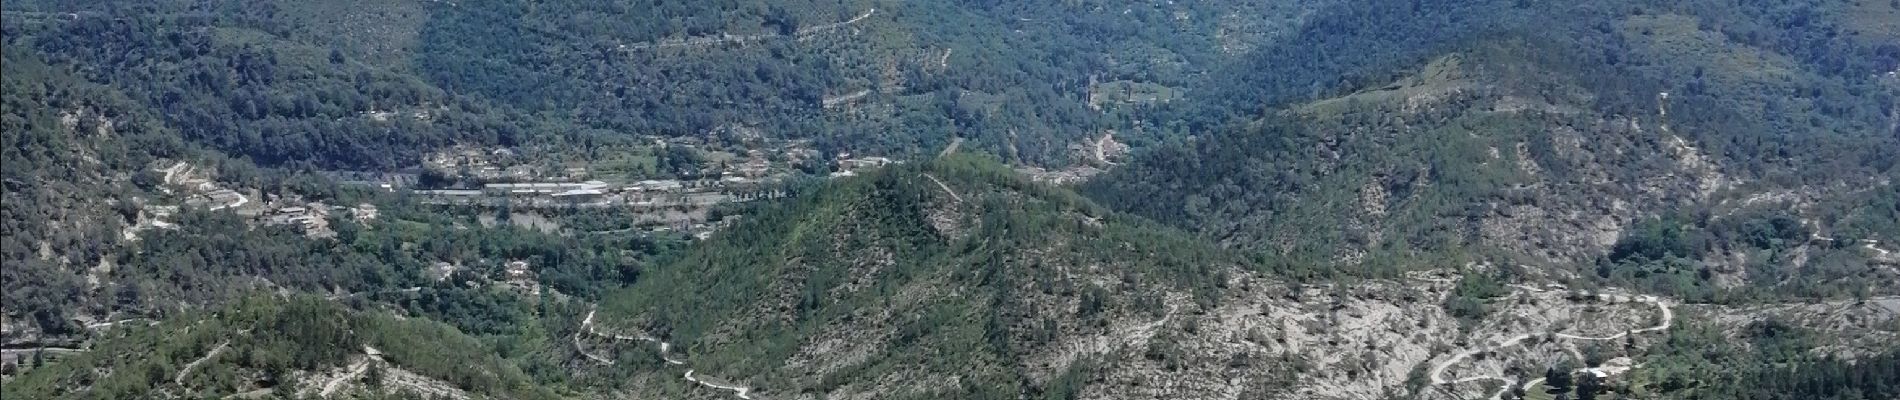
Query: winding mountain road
{"x": 241, "y": 201}
{"x": 725, "y": 38}
{"x": 741, "y": 391}
{"x": 105, "y": 325}
{"x": 1438, "y": 371}
{"x": 590, "y": 356}
{"x": 816, "y": 29}
{"x": 588, "y": 326}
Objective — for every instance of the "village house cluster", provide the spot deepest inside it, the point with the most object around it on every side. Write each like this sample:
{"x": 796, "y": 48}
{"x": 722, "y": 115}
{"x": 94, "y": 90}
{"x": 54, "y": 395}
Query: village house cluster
{"x": 314, "y": 218}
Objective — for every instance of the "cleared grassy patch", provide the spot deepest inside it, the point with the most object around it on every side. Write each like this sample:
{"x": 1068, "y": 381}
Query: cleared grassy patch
{"x": 1539, "y": 392}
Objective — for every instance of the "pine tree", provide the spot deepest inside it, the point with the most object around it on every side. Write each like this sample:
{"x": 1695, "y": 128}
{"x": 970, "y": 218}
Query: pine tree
{"x": 1589, "y": 386}
{"x": 374, "y": 376}
{"x": 1558, "y": 379}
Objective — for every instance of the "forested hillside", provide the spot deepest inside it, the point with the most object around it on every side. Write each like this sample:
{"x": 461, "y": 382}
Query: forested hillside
{"x": 956, "y": 267}
{"x": 957, "y": 270}
{"x": 1556, "y": 138}
{"x": 289, "y": 82}
{"x": 119, "y": 112}
{"x": 85, "y": 238}
{"x": 804, "y": 199}
{"x": 71, "y": 152}
{"x": 282, "y": 348}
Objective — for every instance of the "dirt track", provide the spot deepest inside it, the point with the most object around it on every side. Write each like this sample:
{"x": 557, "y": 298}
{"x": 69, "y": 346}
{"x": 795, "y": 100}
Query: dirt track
{"x": 588, "y": 327}
{"x": 1438, "y": 371}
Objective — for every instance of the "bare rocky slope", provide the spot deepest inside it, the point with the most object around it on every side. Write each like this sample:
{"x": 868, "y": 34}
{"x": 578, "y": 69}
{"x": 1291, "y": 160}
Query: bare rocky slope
{"x": 1393, "y": 226}
{"x": 958, "y": 278}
